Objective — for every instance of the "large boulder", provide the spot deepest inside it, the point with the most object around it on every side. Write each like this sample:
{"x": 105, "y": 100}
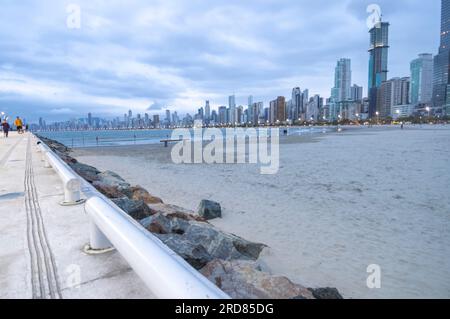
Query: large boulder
{"x": 89, "y": 173}
{"x": 108, "y": 190}
{"x": 209, "y": 209}
{"x": 137, "y": 209}
{"x": 139, "y": 193}
{"x": 243, "y": 279}
{"x": 326, "y": 293}
{"x": 113, "y": 179}
{"x": 178, "y": 232}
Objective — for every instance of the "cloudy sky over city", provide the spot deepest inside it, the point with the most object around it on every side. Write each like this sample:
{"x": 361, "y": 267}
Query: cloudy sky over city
{"x": 149, "y": 55}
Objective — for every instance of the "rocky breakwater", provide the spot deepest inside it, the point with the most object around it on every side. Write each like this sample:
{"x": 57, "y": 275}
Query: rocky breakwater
{"x": 229, "y": 261}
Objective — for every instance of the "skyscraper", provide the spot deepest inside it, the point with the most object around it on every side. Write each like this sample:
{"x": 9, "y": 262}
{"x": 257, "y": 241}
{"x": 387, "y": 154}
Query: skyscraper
{"x": 378, "y": 62}
{"x": 422, "y": 79}
{"x": 207, "y": 113}
{"x": 342, "y": 81}
{"x": 442, "y": 61}
{"x": 232, "y": 106}
{"x": 297, "y": 102}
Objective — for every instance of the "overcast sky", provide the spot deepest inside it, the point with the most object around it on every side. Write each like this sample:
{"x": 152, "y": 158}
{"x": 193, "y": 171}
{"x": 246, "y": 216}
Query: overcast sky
{"x": 158, "y": 54}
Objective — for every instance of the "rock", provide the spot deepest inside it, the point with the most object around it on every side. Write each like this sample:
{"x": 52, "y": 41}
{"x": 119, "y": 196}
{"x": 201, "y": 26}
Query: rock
{"x": 242, "y": 280}
{"x": 108, "y": 190}
{"x": 139, "y": 193}
{"x": 113, "y": 179}
{"x": 194, "y": 253}
{"x": 89, "y": 173}
{"x": 137, "y": 209}
{"x": 325, "y": 293}
{"x": 174, "y": 211}
{"x": 177, "y": 232}
{"x": 209, "y": 209}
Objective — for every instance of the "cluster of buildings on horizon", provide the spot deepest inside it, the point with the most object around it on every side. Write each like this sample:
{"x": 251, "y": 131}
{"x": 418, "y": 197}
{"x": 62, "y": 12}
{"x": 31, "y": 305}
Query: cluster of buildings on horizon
{"x": 426, "y": 91}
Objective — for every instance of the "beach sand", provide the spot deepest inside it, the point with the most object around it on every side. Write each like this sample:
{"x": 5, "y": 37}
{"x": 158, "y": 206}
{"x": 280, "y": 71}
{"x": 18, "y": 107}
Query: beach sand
{"x": 339, "y": 203}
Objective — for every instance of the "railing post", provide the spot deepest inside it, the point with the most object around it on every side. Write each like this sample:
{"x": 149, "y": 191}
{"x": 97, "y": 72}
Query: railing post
{"x": 98, "y": 243}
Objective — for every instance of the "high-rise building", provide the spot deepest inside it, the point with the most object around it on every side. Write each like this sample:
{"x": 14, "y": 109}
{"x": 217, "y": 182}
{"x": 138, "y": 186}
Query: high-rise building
{"x": 207, "y": 113}
{"x": 392, "y": 93}
{"x": 378, "y": 62}
{"x": 156, "y": 121}
{"x": 441, "y": 63}
{"x": 168, "y": 120}
{"x": 277, "y": 110}
{"x": 222, "y": 115}
{"x": 232, "y": 110}
{"x": 250, "y": 100}
{"x": 297, "y": 103}
{"x": 342, "y": 81}
{"x": 422, "y": 79}
{"x": 356, "y": 93}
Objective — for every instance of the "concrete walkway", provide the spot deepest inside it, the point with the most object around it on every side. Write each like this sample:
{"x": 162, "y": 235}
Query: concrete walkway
{"x": 41, "y": 242}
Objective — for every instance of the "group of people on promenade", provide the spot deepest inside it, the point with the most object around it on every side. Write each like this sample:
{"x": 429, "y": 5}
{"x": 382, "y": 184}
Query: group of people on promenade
{"x": 18, "y": 123}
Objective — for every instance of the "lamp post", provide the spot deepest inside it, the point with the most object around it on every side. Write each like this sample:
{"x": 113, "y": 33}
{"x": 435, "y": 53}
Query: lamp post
{"x": 378, "y": 117}
{"x": 428, "y": 109}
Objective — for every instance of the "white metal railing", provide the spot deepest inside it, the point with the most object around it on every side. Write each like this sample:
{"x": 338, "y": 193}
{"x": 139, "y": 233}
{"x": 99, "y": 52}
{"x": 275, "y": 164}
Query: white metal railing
{"x": 164, "y": 272}
{"x": 71, "y": 181}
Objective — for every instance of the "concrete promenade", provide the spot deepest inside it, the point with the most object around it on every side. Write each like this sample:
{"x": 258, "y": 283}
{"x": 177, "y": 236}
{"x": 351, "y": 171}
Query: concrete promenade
{"x": 41, "y": 242}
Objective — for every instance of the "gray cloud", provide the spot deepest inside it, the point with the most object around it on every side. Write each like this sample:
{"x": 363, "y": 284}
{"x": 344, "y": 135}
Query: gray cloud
{"x": 180, "y": 53}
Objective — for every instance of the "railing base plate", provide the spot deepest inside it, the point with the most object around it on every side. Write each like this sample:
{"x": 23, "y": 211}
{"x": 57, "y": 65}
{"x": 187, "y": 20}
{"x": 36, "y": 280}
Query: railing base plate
{"x": 78, "y": 202}
{"x": 87, "y": 249}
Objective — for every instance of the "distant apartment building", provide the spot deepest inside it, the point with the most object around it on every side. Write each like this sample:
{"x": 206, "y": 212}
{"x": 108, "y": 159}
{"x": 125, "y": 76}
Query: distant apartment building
{"x": 392, "y": 93}
{"x": 222, "y": 115}
{"x": 277, "y": 112}
{"x": 356, "y": 93}
{"x": 156, "y": 123}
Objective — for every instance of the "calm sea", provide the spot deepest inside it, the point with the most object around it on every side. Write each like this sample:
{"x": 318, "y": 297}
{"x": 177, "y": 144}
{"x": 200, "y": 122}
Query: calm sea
{"x": 130, "y": 137}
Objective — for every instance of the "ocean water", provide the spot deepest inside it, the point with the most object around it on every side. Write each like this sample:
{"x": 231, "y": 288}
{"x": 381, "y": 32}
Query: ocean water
{"x": 76, "y": 139}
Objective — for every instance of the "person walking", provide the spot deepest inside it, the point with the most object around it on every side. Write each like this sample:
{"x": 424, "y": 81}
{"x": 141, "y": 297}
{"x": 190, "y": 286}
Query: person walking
{"x": 19, "y": 125}
{"x": 5, "y": 127}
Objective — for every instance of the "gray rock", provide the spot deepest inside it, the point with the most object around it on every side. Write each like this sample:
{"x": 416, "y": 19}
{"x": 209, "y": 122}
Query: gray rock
{"x": 113, "y": 179}
{"x": 326, "y": 293}
{"x": 209, "y": 209}
{"x": 136, "y": 209}
{"x": 242, "y": 280}
{"x": 194, "y": 253}
{"x": 108, "y": 190}
{"x": 178, "y": 232}
{"x": 89, "y": 173}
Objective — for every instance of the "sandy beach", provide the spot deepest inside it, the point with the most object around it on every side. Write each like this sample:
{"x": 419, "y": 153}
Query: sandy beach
{"x": 339, "y": 203}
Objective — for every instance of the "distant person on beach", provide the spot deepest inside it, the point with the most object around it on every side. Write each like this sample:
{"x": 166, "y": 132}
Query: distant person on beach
{"x": 5, "y": 127}
{"x": 402, "y": 125}
{"x": 19, "y": 125}
{"x": 26, "y": 127}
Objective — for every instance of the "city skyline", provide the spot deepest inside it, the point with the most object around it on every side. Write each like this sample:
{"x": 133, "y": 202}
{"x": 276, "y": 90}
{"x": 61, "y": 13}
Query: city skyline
{"x": 300, "y": 50}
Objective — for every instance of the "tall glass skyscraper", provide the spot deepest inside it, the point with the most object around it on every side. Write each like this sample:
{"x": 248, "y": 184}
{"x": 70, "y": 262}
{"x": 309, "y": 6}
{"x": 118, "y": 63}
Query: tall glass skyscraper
{"x": 422, "y": 79}
{"x": 442, "y": 61}
{"x": 378, "y": 62}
